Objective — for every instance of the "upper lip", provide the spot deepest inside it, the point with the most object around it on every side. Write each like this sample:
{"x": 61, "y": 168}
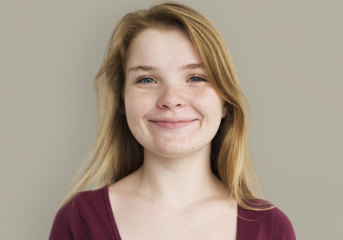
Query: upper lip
{"x": 175, "y": 119}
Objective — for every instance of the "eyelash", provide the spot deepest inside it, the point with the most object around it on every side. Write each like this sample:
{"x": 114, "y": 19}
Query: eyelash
{"x": 147, "y": 77}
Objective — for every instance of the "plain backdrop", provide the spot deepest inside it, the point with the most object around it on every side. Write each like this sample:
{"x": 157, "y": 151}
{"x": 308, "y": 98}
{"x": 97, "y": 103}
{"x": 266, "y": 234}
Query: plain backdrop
{"x": 288, "y": 57}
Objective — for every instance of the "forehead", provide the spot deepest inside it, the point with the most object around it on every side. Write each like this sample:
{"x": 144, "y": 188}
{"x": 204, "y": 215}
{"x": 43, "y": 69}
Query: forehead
{"x": 162, "y": 49}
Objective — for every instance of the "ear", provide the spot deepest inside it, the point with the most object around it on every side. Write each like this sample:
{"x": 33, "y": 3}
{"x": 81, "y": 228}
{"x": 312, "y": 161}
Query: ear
{"x": 122, "y": 109}
{"x": 224, "y": 110}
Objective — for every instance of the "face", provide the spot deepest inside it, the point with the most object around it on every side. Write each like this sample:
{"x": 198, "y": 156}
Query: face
{"x": 165, "y": 82}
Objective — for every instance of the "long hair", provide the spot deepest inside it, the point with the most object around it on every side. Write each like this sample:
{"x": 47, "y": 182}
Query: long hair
{"x": 116, "y": 153}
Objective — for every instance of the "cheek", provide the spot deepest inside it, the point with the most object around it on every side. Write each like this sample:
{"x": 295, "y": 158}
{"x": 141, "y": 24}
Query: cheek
{"x": 204, "y": 100}
{"x": 137, "y": 104}
{"x": 208, "y": 104}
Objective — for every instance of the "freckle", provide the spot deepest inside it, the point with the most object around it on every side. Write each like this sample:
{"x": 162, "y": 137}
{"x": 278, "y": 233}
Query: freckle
{"x": 152, "y": 201}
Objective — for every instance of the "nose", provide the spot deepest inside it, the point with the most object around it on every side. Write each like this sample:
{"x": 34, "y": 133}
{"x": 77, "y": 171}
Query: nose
{"x": 171, "y": 96}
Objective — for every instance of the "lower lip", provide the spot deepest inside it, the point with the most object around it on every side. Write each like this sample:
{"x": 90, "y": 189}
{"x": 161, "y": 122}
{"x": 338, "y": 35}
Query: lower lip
{"x": 173, "y": 125}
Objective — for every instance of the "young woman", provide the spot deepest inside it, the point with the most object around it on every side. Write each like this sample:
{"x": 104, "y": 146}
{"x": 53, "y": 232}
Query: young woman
{"x": 171, "y": 159}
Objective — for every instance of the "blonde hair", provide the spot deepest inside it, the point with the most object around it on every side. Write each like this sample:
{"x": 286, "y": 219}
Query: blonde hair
{"x": 116, "y": 153}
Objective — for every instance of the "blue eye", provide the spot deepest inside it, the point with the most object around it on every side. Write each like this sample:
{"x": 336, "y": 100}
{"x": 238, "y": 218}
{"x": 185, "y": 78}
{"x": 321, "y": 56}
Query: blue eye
{"x": 146, "y": 78}
{"x": 198, "y": 79}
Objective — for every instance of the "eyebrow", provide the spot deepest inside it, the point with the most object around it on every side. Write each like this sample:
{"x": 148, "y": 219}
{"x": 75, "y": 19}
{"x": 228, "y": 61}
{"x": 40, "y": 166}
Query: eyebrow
{"x": 152, "y": 68}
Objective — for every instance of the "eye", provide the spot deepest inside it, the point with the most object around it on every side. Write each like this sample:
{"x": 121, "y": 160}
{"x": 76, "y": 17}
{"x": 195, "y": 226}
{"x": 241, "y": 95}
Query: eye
{"x": 197, "y": 79}
{"x": 145, "y": 80}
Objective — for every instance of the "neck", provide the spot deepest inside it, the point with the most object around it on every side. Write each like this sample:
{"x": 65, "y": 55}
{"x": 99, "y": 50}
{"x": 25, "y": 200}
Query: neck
{"x": 179, "y": 182}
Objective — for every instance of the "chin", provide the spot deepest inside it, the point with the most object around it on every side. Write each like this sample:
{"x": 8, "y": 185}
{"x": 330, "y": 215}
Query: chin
{"x": 173, "y": 151}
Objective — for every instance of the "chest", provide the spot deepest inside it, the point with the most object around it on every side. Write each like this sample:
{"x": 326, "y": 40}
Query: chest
{"x": 148, "y": 221}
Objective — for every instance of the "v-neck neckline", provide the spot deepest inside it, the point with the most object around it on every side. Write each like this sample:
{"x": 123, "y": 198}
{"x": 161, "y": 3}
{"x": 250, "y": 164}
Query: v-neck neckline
{"x": 115, "y": 229}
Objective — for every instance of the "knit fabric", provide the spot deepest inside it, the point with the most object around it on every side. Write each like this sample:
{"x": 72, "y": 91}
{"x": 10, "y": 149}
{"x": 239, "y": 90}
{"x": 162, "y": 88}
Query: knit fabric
{"x": 89, "y": 216}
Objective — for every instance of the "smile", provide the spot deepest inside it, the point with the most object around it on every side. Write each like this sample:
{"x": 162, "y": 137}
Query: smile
{"x": 172, "y": 125}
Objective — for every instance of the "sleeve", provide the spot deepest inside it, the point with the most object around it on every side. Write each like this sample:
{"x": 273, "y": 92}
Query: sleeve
{"x": 67, "y": 224}
{"x": 282, "y": 226}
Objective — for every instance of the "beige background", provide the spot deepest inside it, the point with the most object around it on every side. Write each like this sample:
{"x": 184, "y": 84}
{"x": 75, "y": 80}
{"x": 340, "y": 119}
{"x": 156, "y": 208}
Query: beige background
{"x": 288, "y": 56}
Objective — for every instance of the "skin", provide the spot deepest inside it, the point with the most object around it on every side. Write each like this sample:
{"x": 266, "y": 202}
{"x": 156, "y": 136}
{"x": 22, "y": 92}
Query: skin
{"x": 175, "y": 185}
{"x": 176, "y": 175}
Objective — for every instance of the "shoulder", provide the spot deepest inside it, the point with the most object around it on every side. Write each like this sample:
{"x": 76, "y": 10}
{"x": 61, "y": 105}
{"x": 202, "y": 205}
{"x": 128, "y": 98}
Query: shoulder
{"x": 84, "y": 202}
{"x": 268, "y": 224}
{"x": 70, "y": 219}
{"x": 282, "y": 226}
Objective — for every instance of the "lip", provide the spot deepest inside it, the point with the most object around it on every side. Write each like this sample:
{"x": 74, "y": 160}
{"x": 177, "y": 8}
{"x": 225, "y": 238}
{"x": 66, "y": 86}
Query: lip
{"x": 172, "y": 119}
{"x": 177, "y": 123}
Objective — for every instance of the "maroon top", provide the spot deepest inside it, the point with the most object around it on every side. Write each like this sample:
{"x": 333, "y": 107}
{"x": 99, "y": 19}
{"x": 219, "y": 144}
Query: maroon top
{"x": 89, "y": 216}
